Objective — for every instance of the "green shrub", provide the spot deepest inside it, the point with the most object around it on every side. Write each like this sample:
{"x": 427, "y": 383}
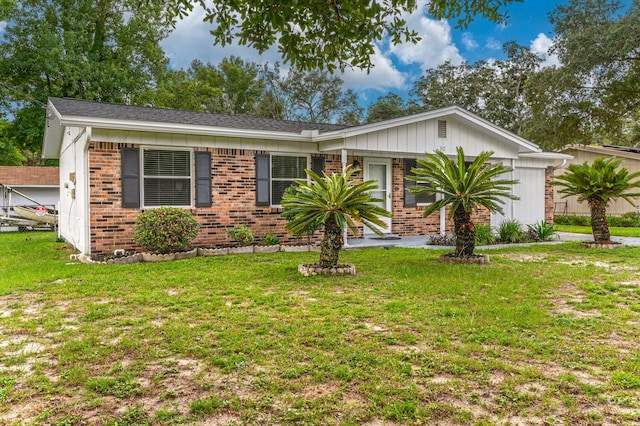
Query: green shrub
{"x": 627, "y": 220}
{"x": 484, "y": 235}
{"x": 271, "y": 239}
{"x": 574, "y": 219}
{"x": 510, "y": 231}
{"x": 241, "y": 235}
{"x": 165, "y": 230}
{"x": 541, "y": 231}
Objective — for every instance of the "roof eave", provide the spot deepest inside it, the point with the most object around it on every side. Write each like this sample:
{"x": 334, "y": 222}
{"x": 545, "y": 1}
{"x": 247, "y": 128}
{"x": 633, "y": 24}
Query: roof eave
{"x": 147, "y": 126}
{"x": 53, "y": 132}
{"x": 550, "y": 155}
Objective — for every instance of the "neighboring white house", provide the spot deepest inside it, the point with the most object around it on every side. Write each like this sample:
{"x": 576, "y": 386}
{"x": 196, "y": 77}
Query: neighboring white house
{"x": 39, "y": 184}
{"x": 117, "y": 160}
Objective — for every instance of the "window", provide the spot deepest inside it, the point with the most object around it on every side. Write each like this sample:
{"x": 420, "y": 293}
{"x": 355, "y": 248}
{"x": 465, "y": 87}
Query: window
{"x": 425, "y": 197}
{"x": 284, "y": 169}
{"x": 166, "y": 178}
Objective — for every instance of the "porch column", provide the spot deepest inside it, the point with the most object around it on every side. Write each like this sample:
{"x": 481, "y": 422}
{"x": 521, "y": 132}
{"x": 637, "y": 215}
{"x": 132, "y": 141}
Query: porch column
{"x": 345, "y": 243}
{"x": 513, "y": 174}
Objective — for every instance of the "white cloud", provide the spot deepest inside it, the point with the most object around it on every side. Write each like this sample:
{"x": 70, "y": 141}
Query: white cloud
{"x": 493, "y": 44}
{"x": 540, "y": 46}
{"x": 383, "y": 76}
{"x": 3, "y": 25}
{"x": 469, "y": 41}
{"x": 191, "y": 40}
{"x": 436, "y": 46}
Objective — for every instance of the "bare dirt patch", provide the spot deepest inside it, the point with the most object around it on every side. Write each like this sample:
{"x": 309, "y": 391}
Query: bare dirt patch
{"x": 565, "y": 300}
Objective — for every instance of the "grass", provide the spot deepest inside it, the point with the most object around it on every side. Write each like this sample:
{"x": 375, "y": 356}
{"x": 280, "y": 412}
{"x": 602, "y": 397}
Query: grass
{"x": 544, "y": 334}
{"x": 614, "y": 230}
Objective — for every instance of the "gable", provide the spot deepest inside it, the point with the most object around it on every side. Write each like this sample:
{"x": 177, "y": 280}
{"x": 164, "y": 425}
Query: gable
{"x": 432, "y": 135}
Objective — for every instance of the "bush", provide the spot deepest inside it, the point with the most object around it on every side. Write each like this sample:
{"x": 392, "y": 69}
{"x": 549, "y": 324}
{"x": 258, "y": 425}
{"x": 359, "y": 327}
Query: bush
{"x": 271, "y": 240}
{"x": 484, "y": 235}
{"x": 241, "y": 234}
{"x": 510, "y": 231}
{"x": 574, "y": 219}
{"x": 442, "y": 240}
{"x": 165, "y": 230}
{"x": 541, "y": 231}
{"x": 627, "y": 220}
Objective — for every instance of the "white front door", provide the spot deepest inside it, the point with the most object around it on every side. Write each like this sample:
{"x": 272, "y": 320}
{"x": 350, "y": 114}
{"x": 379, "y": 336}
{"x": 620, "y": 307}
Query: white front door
{"x": 380, "y": 171}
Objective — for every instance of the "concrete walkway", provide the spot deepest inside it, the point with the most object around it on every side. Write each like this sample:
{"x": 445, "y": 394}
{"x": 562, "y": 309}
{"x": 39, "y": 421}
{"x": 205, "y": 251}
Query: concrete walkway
{"x": 421, "y": 241}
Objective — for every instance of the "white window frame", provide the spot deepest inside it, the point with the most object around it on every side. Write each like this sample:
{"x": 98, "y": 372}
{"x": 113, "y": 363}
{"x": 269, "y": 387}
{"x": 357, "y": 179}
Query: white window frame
{"x": 272, "y": 179}
{"x": 143, "y": 176}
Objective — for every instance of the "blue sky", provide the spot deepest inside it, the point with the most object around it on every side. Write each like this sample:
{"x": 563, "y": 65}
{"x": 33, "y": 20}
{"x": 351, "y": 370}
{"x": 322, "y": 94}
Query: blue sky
{"x": 397, "y": 67}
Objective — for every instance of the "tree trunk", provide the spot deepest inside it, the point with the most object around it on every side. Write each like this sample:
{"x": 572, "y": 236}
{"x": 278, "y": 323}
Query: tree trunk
{"x": 465, "y": 232}
{"x": 331, "y": 243}
{"x": 599, "y": 225}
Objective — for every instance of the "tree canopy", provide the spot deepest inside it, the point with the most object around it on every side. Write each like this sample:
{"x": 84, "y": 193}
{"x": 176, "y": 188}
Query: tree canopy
{"x": 313, "y": 34}
{"x": 83, "y": 49}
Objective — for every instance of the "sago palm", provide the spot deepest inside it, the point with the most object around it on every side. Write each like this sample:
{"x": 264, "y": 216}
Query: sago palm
{"x": 464, "y": 188}
{"x": 598, "y": 184}
{"x": 337, "y": 202}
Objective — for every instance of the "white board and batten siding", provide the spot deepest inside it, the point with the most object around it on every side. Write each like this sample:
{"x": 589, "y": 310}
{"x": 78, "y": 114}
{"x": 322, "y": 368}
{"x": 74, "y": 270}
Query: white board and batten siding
{"x": 421, "y": 137}
{"x": 530, "y": 207}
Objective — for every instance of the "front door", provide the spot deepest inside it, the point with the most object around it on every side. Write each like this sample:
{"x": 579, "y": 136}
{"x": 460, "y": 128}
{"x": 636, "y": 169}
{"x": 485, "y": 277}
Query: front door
{"x": 380, "y": 171}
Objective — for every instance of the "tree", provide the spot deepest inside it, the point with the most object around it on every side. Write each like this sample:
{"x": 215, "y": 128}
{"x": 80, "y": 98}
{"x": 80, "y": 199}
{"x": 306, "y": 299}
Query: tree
{"x": 9, "y": 151}
{"x": 388, "y": 107}
{"x": 314, "y": 96}
{"x": 597, "y": 87}
{"x": 464, "y": 188}
{"x": 97, "y": 50}
{"x": 599, "y": 184}
{"x": 495, "y": 90}
{"x": 313, "y": 34}
{"x": 237, "y": 85}
{"x": 337, "y": 201}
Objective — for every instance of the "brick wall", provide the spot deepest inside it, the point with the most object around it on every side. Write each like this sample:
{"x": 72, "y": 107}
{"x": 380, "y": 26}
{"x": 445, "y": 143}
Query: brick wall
{"x": 548, "y": 195}
{"x": 233, "y": 192}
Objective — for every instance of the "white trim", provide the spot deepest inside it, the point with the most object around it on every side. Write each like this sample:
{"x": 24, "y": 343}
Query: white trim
{"x": 186, "y": 129}
{"x": 191, "y": 176}
{"x": 388, "y": 198}
{"x": 283, "y": 154}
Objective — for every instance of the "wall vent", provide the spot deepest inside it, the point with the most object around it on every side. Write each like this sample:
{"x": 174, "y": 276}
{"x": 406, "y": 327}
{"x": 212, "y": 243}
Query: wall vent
{"x": 442, "y": 129}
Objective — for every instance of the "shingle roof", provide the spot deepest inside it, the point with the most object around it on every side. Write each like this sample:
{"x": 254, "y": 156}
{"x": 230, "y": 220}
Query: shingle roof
{"x": 29, "y": 175}
{"x": 103, "y": 110}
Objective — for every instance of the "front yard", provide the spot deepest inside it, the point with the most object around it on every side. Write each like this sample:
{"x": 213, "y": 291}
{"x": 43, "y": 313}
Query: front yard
{"x": 543, "y": 335}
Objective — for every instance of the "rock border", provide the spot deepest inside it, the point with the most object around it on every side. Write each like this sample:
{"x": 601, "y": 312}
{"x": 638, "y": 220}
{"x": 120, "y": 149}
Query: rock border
{"x": 152, "y": 257}
{"x": 476, "y": 259}
{"x": 312, "y": 269}
{"x": 609, "y": 245}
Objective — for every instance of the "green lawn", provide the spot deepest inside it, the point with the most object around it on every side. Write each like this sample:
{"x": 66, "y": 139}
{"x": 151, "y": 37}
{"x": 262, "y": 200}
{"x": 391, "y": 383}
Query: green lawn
{"x": 545, "y": 334}
{"x": 614, "y": 230}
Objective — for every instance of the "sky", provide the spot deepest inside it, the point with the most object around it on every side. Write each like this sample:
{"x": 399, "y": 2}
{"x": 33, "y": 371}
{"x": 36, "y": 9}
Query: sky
{"x": 396, "y": 67}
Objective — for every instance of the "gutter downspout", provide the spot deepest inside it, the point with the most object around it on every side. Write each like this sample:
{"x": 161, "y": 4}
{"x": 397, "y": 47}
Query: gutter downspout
{"x": 87, "y": 211}
{"x": 345, "y": 242}
{"x": 561, "y": 165}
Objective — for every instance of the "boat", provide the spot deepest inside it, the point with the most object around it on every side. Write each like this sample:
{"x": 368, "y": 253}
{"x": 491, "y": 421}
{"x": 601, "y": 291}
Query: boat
{"x": 30, "y": 214}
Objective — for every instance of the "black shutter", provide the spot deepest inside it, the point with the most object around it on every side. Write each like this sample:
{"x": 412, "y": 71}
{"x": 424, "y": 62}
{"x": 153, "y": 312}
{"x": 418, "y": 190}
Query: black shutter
{"x": 203, "y": 179}
{"x": 409, "y": 198}
{"x": 317, "y": 165}
{"x": 263, "y": 178}
{"x": 130, "y": 177}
